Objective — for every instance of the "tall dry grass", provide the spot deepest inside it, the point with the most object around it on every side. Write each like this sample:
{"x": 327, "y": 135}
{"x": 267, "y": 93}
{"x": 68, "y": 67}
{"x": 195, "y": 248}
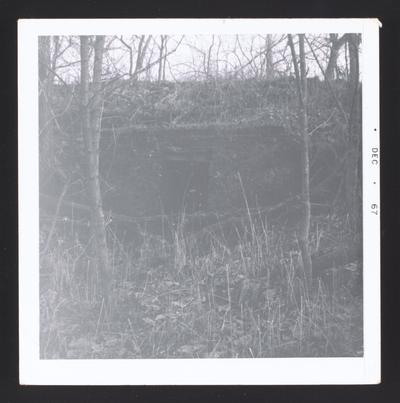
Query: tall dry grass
{"x": 196, "y": 298}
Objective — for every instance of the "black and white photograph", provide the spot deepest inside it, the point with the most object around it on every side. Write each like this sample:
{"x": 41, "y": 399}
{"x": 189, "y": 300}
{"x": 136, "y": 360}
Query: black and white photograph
{"x": 200, "y": 193}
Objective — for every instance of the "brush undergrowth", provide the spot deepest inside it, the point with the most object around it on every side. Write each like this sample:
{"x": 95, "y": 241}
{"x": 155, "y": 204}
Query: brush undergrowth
{"x": 175, "y": 300}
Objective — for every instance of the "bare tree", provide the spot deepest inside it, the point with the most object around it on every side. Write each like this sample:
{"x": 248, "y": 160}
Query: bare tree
{"x": 335, "y": 44}
{"x": 91, "y": 112}
{"x": 354, "y": 72}
{"x": 353, "y": 162}
{"x": 161, "y": 57}
{"x": 45, "y": 93}
{"x": 135, "y": 50}
{"x": 301, "y": 83}
{"x": 209, "y": 56}
{"x": 141, "y": 53}
{"x": 269, "y": 64}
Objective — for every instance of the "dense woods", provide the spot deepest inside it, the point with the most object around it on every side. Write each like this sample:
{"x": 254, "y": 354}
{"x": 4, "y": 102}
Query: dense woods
{"x": 200, "y": 196}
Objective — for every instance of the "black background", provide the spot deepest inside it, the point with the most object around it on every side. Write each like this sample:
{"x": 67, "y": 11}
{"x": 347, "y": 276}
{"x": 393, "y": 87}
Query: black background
{"x": 389, "y": 14}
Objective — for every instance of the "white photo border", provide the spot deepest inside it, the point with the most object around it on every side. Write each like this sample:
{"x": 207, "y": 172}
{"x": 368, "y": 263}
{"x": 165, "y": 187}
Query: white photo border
{"x": 254, "y": 371}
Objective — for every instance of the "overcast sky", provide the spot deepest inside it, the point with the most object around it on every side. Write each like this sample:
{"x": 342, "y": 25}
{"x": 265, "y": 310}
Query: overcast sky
{"x": 189, "y": 56}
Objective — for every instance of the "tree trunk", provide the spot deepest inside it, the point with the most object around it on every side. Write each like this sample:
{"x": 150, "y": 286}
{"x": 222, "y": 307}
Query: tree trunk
{"x": 354, "y": 75}
{"x": 352, "y": 178}
{"x": 336, "y": 44}
{"x": 208, "y": 63}
{"x": 46, "y": 141}
{"x": 91, "y": 110}
{"x": 304, "y": 229}
{"x": 269, "y": 65}
{"x": 160, "y": 63}
{"x": 165, "y": 58}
